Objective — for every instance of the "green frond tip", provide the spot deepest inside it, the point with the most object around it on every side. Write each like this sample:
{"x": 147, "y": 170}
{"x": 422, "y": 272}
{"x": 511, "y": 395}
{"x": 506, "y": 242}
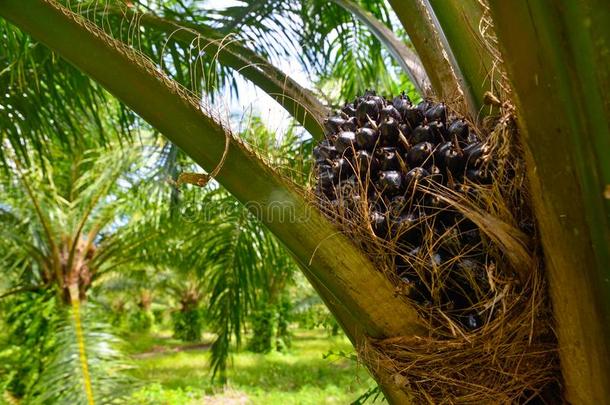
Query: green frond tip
{"x": 64, "y": 379}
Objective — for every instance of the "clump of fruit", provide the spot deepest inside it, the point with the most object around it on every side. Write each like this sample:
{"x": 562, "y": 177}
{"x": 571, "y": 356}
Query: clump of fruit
{"x": 389, "y": 162}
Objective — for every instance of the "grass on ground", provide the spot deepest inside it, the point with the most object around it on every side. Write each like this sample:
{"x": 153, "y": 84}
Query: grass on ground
{"x": 299, "y": 376}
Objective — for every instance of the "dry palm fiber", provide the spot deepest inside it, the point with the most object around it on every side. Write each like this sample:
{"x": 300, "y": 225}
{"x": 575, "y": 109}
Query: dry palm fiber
{"x": 442, "y": 206}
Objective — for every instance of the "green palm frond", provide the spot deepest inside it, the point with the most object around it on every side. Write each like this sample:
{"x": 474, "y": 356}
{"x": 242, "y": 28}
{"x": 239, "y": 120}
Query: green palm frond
{"x": 37, "y": 107}
{"x": 406, "y": 58}
{"x": 234, "y": 250}
{"x": 340, "y": 47}
{"x": 30, "y": 319}
{"x": 216, "y": 240}
{"x": 257, "y": 22}
{"x": 63, "y": 380}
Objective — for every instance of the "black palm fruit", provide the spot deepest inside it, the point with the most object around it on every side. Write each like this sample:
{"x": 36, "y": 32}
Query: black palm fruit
{"x": 367, "y": 110}
{"x": 327, "y": 180}
{"x": 416, "y": 175}
{"x": 436, "y": 112}
{"x": 401, "y": 104}
{"x": 439, "y": 154}
{"x": 421, "y": 154}
{"x": 422, "y": 133}
{"x": 380, "y": 101}
{"x": 454, "y": 162}
{"x": 325, "y": 150}
{"x": 366, "y": 163}
{"x": 472, "y": 321}
{"x": 399, "y": 156}
{"x": 389, "y": 111}
{"x": 378, "y": 223}
{"x": 433, "y": 204}
{"x": 388, "y": 158}
{"x": 342, "y": 168}
{"x": 439, "y": 131}
{"x": 436, "y": 175}
{"x": 405, "y": 130}
{"x": 345, "y": 141}
{"x": 351, "y": 124}
{"x": 349, "y": 110}
{"x": 479, "y": 176}
{"x": 389, "y": 131}
{"x": 413, "y": 116}
{"x": 390, "y": 182}
{"x": 333, "y": 124}
{"x": 474, "y": 154}
{"x": 366, "y": 138}
{"x": 459, "y": 130}
{"x": 425, "y": 105}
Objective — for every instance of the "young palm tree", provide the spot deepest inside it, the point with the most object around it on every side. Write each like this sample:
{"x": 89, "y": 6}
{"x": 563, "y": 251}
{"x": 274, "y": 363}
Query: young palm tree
{"x": 533, "y": 56}
{"x": 63, "y": 228}
{"x": 57, "y": 223}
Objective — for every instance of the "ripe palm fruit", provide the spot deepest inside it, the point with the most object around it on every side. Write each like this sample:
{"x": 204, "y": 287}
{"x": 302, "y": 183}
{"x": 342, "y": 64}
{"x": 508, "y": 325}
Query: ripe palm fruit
{"x": 474, "y": 154}
{"x": 366, "y": 138}
{"x": 459, "y": 129}
{"x": 413, "y": 116}
{"x": 422, "y": 133}
{"x": 421, "y": 154}
{"x": 349, "y": 110}
{"x": 393, "y": 153}
{"x": 388, "y": 158}
{"x": 378, "y": 222}
{"x": 389, "y": 111}
{"x": 389, "y": 131}
{"x": 437, "y": 112}
{"x": 333, "y": 124}
{"x": 367, "y": 110}
{"x": 342, "y": 168}
{"x": 366, "y": 163}
{"x": 415, "y": 176}
{"x": 344, "y": 142}
{"x": 325, "y": 150}
{"x": 390, "y": 182}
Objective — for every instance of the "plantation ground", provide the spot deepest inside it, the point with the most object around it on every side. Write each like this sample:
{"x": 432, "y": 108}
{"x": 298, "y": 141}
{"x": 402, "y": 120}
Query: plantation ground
{"x": 173, "y": 373}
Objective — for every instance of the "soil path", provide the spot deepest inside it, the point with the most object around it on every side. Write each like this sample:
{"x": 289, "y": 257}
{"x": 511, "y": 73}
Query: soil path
{"x": 156, "y": 350}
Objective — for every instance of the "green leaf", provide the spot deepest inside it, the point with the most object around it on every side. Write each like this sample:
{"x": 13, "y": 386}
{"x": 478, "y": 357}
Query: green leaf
{"x": 403, "y": 55}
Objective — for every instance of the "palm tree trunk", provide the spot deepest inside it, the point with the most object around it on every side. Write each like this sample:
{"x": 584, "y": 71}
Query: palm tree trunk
{"x": 557, "y": 55}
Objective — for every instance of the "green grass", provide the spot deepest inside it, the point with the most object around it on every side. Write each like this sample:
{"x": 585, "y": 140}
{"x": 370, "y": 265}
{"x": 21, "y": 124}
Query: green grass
{"x": 300, "y": 376}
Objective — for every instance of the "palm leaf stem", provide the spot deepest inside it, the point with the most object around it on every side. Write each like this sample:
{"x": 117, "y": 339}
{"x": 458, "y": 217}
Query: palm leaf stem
{"x": 78, "y": 327}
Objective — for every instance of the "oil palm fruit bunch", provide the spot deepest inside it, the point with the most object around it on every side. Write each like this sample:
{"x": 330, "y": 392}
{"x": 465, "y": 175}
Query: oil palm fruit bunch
{"x": 385, "y": 165}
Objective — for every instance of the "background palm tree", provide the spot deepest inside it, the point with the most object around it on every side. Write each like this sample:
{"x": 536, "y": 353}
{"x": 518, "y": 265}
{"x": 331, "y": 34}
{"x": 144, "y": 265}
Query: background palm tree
{"x": 64, "y": 228}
